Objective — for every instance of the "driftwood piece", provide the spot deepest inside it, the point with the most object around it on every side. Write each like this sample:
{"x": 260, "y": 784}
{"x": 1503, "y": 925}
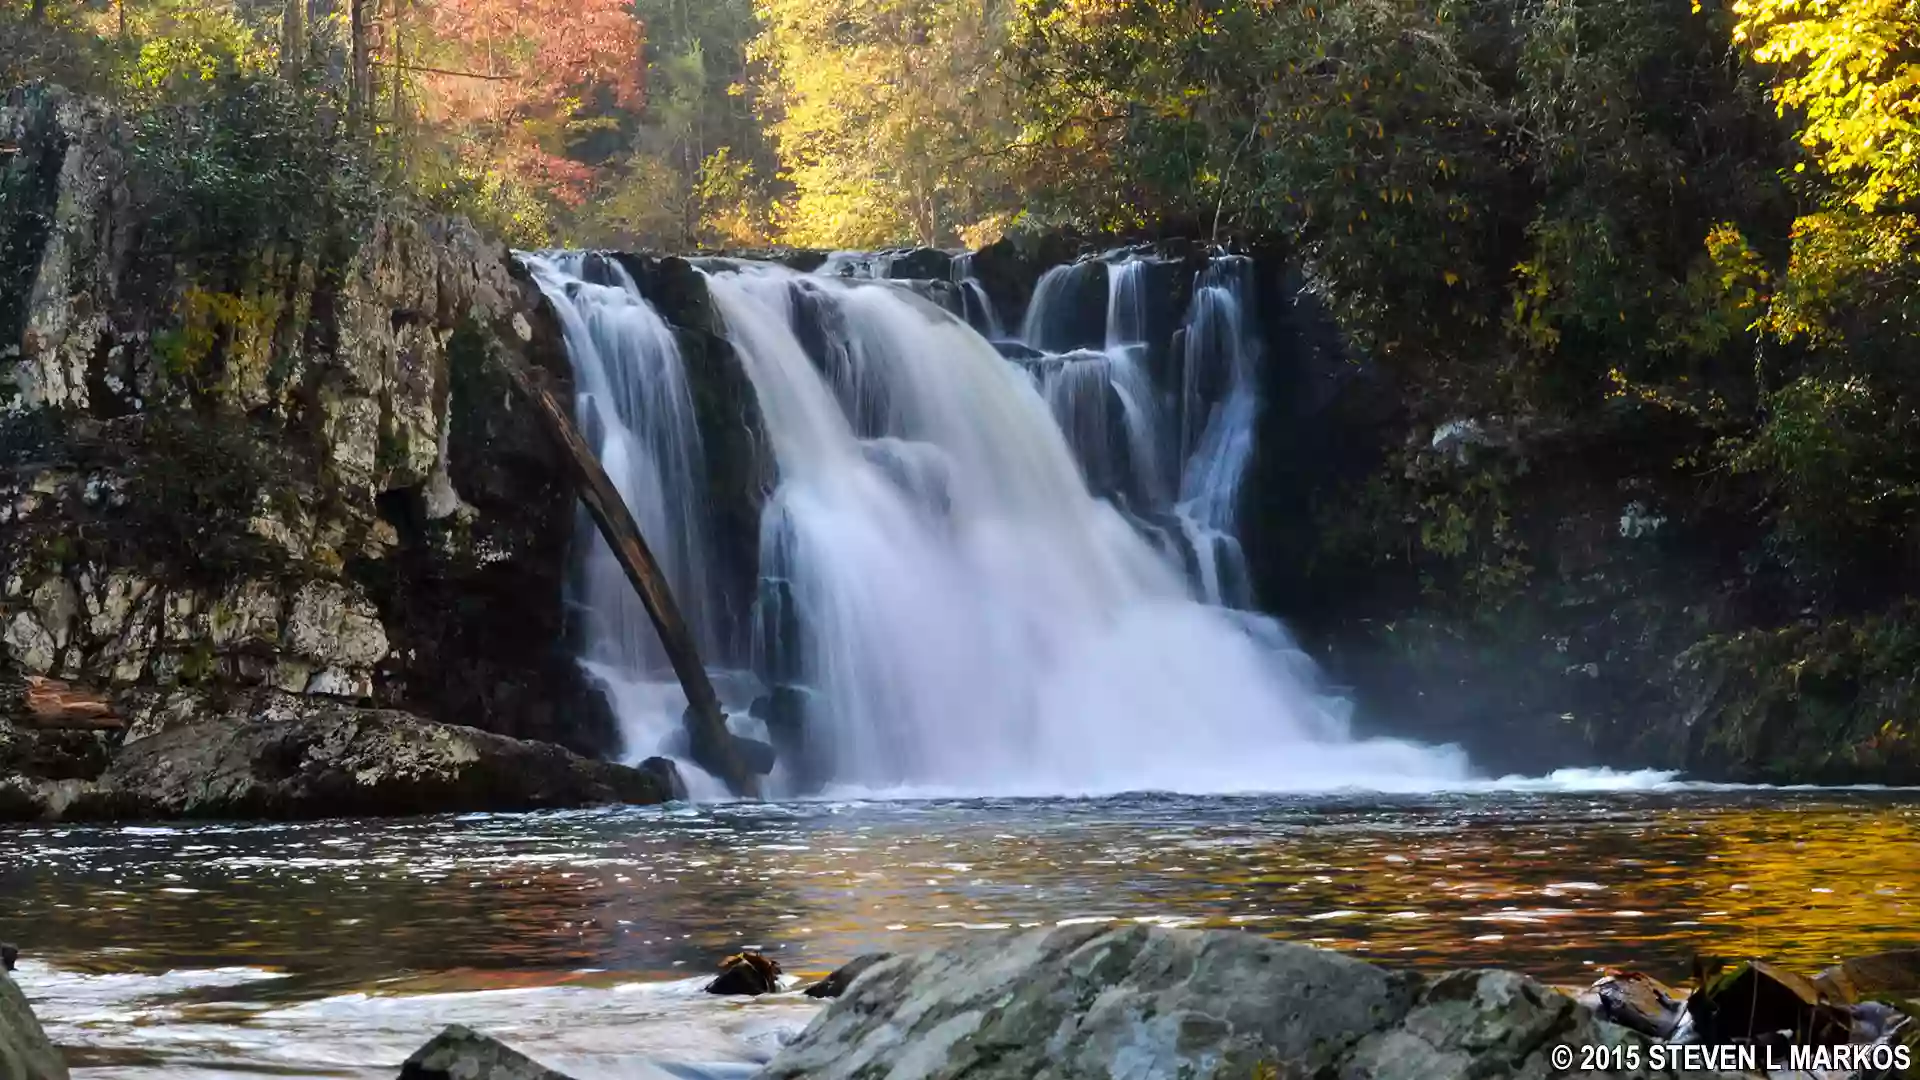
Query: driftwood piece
{"x": 706, "y": 722}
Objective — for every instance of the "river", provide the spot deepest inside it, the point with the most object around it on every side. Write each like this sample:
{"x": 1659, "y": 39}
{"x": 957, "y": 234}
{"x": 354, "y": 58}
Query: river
{"x": 334, "y": 949}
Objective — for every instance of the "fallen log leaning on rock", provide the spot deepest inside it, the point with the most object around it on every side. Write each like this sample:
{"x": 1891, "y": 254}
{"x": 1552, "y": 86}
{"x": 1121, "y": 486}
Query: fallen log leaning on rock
{"x": 706, "y": 722}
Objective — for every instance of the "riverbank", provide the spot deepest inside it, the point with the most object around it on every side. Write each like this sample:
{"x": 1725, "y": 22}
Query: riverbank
{"x": 1101, "y": 1000}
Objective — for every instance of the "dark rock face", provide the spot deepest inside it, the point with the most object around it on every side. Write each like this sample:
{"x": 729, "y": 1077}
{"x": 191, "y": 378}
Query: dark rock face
{"x": 9, "y": 955}
{"x": 289, "y": 763}
{"x": 460, "y": 1053}
{"x": 835, "y": 984}
{"x": 307, "y": 476}
{"x": 25, "y": 1053}
{"x": 668, "y": 774}
{"x": 1160, "y": 1004}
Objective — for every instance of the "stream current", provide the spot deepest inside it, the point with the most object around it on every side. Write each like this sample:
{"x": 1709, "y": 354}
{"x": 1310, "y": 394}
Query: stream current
{"x": 335, "y": 949}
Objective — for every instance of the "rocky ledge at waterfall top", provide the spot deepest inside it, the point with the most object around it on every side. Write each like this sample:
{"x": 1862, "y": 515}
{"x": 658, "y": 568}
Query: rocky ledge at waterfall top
{"x": 302, "y": 487}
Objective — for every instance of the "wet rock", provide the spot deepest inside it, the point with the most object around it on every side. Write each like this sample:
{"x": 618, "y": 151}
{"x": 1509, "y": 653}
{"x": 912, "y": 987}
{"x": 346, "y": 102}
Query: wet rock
{"x": 25, "y": 1053}
{"x": 9, "y": 955}
{"x": 460, "y": 1053}
{"x": 340, "y": 761}
{"x": 1153, "y": 1003}
{"x": 1637, "y": 1002}
{"x": 785, "y": 713}
{"x": 842, "y": 977}
{"x": 668, "y": 774}
{"x": 756, "y": 757}
{"x": 1895, "y": 973}
{"x": 746, "y": 973}
{"x": 1758, "y": 1001}
{"x": 920, "y": 264}
{"x": 1089, "y": 1001}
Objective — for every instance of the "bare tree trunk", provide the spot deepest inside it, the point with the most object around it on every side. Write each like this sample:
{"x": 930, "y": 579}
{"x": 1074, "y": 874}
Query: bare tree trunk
{"x": 39, "y": 10}
{"x": 360, "y": 88}
{"x": 293, "y": 37}
{"x": 706, "y": 723}
{"x": 399, "y": 75}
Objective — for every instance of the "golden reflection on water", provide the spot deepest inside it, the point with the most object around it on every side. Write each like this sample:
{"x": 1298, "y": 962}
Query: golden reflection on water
{"x": 1556, "y": 886}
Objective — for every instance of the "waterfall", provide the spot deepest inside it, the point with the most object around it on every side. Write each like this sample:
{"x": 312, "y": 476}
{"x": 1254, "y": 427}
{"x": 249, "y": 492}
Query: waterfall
{"x": 975, "y": 305}
{"x": 1221, "y": 350}
{"x": 968, "y": 613}
{"x": 976, "y": 571}
{"x": 634, "y": 407}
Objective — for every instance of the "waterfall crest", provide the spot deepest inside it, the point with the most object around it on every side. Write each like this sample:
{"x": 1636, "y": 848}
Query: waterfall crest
{"x": 945, "y": 601}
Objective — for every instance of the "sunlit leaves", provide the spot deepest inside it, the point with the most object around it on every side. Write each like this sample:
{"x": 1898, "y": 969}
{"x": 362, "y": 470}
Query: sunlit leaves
{"x": 889, "y": 115}
{"x": 1851, "y": 71}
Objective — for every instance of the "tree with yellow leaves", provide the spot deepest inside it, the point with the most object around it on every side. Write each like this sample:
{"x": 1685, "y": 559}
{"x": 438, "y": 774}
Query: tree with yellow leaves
{"x": 1850, "y": 71}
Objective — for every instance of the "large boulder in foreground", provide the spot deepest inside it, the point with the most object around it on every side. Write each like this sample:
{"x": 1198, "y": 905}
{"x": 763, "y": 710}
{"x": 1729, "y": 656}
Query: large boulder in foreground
{"x": 349, "y": 762}
{"x": 1150, "y": 1003}
{"x": 460, "y": 1053}
{"x": 25, "y": 1053}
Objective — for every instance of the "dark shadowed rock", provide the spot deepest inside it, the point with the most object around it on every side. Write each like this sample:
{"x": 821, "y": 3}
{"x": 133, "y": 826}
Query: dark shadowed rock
{"x": 1895, "y": 973}
{"x": 785, "y": 711}
{"x": 746, "y": 973}
{"x": 344, "y": 762}
{"x": 9, "y": 955}
{"x": 921, "y": 264}
{"x": 1150, "y": 1003}
{"x": 836, "y": 984}
{"x": 1637, "y": 1001}
{"x": 25, "y": 1053}
{"x": 664, "y": 770}
{"x": 460, "y": 1053}
{"x": 1757, "y": 999}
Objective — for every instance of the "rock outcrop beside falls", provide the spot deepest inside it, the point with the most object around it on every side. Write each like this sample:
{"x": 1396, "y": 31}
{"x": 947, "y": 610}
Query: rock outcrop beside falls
{"x": 301, "y": 477}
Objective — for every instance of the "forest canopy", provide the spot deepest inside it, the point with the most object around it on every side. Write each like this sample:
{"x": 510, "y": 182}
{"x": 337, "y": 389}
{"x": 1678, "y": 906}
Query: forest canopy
{"x": 1541, "y": 205}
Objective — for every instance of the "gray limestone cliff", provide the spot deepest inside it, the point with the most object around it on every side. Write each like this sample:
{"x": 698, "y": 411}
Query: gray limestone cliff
{"x": 298, "y": 478}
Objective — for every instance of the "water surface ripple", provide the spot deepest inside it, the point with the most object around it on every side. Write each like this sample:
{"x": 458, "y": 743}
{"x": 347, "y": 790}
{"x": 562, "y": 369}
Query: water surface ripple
{"x": 150, "y": 946}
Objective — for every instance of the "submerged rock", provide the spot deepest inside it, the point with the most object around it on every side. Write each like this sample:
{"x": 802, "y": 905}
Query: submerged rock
{"x": 460, "y": 1053}
{"x": 1151, "y": 1003}
{"x": 746, "y": 973}
{"x": 842, "y": 977}
{"x": 25, "y": 1052}
{"x": 344, "y": 761}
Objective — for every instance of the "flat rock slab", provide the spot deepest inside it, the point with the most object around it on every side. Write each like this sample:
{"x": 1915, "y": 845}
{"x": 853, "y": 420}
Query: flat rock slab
{"x": 1151, "y": 1003}
{"x": 348, "y": 762}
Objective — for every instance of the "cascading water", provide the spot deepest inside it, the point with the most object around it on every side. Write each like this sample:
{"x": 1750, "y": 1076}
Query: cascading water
{"x": 944, "y": 601}
{"x": 1217, "y": 428}
{"x": 968, "y": 613}
{"x": 635, "y": 409}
